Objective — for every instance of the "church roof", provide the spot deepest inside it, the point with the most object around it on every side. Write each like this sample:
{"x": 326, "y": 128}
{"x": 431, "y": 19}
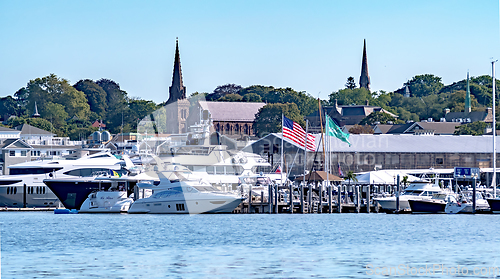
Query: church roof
{"x": 232, "y": 111}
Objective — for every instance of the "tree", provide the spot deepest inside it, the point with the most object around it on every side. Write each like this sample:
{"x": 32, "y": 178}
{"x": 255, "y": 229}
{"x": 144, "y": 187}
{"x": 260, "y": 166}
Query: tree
{"x": 252, "y": 97}
{"x": 377, "y": 116}
{"x": 8, "y": 107}
{"x": 117, "y": 102}
{"x": 423, "y": 85}
{"x": 475, "y": 128}
{"x": 268, "y": 119}
{"x": 223, "y": 90}
{"x": 95, "y": 95}
{"x": 351, "y": 176}
{"x": 356, "y": 96}
{"x": 351, "y": 84}
{"x": 361, "y": 129}
{"x": 231, "y": 98}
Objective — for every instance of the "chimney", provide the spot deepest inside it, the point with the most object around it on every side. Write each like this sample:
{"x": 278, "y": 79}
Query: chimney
{"x": 446, "y": 111}
{"x": 367, "y": 102}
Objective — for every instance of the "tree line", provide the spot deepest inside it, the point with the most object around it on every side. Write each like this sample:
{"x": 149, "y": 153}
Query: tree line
{"x": 69, "y": 110}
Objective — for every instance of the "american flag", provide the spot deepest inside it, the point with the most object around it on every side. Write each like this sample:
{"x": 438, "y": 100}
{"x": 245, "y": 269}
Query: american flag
{"x": 293, "y": 131}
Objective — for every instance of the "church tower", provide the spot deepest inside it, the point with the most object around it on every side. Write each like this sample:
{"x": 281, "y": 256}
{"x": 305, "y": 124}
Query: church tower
{"x": 177, "y": 90}
{"x": 177, "y": 106}
{"x": 364, "y": 79}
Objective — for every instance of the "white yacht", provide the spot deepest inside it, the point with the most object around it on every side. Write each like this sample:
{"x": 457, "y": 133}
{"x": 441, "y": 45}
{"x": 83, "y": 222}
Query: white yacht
{"x": 180, "y": 192}
{"x": 418, "y": 190}
{"x": 24, "y": 186}
{"x": 112, "y": 201}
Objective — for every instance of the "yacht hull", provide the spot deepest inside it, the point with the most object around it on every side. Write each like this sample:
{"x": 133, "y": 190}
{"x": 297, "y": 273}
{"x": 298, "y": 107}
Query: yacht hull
{"x": 186, "y": 205}
{"x": 73, "y": 193}
{"x": 29, "y": 196}
{"x": 427, "y": 206}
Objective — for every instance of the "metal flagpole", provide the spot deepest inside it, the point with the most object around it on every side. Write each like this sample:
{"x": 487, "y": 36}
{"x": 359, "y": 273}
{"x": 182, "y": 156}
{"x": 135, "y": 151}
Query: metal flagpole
{"x": 493, "y": 133}
{"x": 282, "y": 146}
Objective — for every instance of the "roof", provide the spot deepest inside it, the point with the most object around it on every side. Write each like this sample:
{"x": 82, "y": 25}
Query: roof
{"x": 232, "y": 111}
{"x": 5, "y": 129}
{"x": 14, "y": 144}
{"x": 409, "y": 143}
{"x": 27, "y": 129}
{"x": 319, "y": 176}
{"x": 441, "y": 128}
{"x": 474, "y": 116}
{"x": 392, "y": 128}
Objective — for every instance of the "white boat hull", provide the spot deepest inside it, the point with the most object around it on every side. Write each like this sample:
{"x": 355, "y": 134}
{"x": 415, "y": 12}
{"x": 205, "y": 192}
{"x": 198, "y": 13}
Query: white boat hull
{"x": 106, "y": 202}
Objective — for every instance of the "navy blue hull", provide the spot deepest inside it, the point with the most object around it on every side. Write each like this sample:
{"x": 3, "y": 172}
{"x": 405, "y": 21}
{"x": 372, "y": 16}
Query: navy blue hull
{"x": 494, "y": 204}
{"x": 426, "y": 206}
{"x": 72, "y": 194}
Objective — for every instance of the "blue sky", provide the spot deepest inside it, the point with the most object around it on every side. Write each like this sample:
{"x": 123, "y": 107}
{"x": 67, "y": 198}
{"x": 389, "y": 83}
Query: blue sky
{"x": 311, "y": 46}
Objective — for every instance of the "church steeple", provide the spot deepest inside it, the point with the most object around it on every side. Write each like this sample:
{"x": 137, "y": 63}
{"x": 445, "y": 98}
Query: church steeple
{"x": 177, "y": 90}
{"x": 35, "y": 114}
{"x": 467, "y": 96}
{"x": 364, "y": 79}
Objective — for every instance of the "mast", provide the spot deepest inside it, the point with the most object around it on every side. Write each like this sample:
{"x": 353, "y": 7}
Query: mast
{"x": 494, "y": 179}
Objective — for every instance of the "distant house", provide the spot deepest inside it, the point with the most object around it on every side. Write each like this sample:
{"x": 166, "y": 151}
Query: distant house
{"x": 469, "y": 117}
{"x": 13, "y": 151}
{"x": 7, "y": 133}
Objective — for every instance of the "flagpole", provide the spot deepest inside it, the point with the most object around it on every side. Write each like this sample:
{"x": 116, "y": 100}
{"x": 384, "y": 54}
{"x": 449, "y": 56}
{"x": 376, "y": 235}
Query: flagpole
{"x": 327, "y": 139}
{"x": 305, "y": 154}
{"x": 282, "y": 146}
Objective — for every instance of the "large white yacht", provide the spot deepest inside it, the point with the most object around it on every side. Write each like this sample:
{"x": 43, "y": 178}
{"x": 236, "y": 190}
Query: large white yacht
{"x": 422, "y": 189}
{"x": 24, "y": 186}
{"x": 181, "y": 192}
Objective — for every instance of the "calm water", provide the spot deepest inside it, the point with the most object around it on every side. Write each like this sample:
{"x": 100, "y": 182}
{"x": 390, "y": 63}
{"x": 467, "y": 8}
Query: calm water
{"x": 41, "y": 244}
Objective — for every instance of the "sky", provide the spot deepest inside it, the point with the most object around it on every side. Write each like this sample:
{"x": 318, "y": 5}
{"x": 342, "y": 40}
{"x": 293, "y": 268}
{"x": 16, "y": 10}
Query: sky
{"x": 311, "y": 46}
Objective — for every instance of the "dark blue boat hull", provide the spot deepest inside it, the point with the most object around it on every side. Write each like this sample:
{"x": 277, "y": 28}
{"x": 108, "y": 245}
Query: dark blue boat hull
{"x": 72, "y": 194}
{"x": 426, "y": 206}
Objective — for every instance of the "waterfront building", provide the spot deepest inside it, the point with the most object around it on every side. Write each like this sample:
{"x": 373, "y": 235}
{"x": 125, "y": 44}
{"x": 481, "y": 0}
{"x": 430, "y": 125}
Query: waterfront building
{"x": 374, "y": 152}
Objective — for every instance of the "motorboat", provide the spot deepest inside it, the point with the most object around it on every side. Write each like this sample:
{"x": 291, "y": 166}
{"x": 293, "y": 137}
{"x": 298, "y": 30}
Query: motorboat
{"x": 181, "y": 192}
{"x": 422, "y": 189}
{"x": 436, "y": 204}
{"x": 24, "y": 186}
{"x": 464, "y": 203}
{"x": 113, "y": 201}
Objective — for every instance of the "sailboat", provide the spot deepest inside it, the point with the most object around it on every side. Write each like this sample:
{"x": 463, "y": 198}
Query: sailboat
{"x": 495, "y": 201}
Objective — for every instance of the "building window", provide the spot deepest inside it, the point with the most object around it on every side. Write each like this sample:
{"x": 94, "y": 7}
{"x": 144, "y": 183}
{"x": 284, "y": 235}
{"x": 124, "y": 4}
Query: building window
{"x": 439, "y": 161}
{"x": 23, "y": 153}
{"x": 12, "y": 153}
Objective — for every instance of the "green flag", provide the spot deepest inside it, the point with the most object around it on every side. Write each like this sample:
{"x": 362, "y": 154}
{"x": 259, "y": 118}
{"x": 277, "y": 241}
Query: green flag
{"x": 333, "y": 130}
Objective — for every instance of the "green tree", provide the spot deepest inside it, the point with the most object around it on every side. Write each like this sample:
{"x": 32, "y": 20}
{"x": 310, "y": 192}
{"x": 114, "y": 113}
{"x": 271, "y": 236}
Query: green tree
{"x": 350, "y": 84}
{"x": 361, "y": 129}
{"x": 268, "y": 119}
{"x": 423, "y": 85}
{"x": 475, "y": 128}
{"x": 231, "y": 98}
{"x": 252, "y": 97}
{"x": 377, "y": 116}
{"x": 95, "y": 95}
{"x": 350, "y": 176}
{"x": 8, "y": 107}
{"x": 357, "y": 96}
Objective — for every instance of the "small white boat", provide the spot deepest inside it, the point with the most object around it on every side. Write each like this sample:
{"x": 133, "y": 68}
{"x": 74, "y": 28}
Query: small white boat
{"x": 107, "y": 202}
{"x": 464, "y": 204}
{"x": 180, "y": 193}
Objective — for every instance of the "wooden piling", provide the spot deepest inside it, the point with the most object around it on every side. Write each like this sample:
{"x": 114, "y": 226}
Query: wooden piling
{"x": 291, "y": 198}
{"x": 368, "y": 199}
{"x": 302, "y": 198}
{"x": 277, "y": 199}
{"x": 397, "y": 194}
{"x": 329, "y": 198}
{"x": 261, "y": 201}
{"x": 358, "y": 200}
{"x": 250, "y": 199}
{"x": 339, "y": 198}
{"x": 270, "y": 199}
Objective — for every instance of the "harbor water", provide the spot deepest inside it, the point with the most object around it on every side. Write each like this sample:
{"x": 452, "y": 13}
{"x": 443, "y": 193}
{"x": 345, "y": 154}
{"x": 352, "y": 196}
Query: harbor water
{"x": 45, "y": 245}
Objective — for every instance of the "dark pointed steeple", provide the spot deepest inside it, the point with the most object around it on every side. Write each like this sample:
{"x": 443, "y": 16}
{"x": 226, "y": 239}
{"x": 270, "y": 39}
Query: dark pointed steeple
{"x": 177, "y": 90}
{"x": 36, "y": 114}
{"x": 364, "y": 79}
